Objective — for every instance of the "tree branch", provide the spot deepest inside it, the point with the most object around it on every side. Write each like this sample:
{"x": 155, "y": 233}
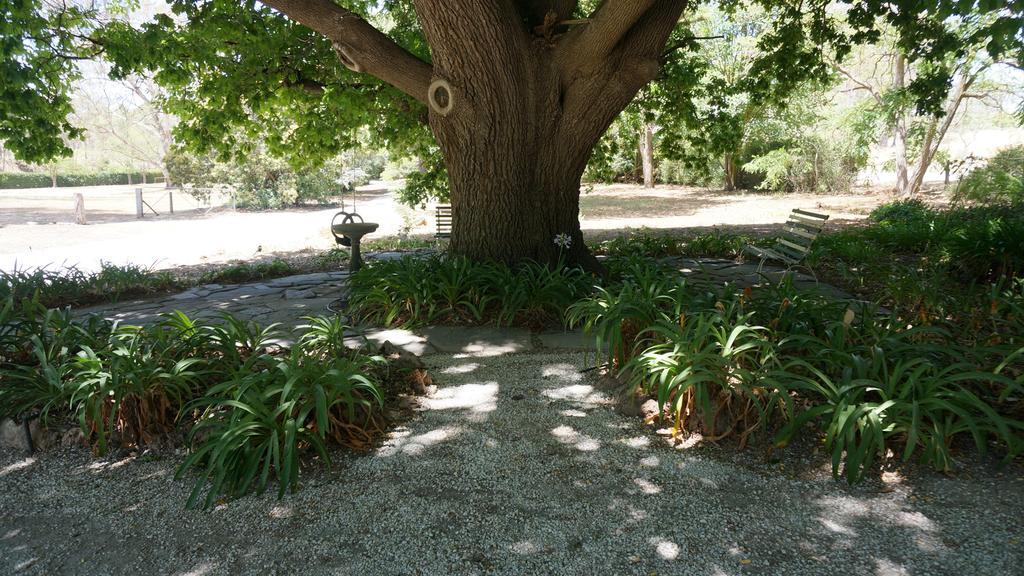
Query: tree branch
{"x": 362, "y": 47}
{"x": 635, "y": 60}
{"x": 608, "y": 24}
{"x": 647, "y": 38}
{"x": 684, "y": 42}
{"x": 859, "y": 85}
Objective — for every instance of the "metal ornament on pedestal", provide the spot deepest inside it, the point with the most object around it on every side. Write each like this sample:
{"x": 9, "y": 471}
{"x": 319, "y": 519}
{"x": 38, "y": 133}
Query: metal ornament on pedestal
{"x": 349, "y": 232}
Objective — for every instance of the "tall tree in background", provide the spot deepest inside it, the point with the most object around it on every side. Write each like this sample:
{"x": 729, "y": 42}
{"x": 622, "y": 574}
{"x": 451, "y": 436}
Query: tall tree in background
{"x": 885, "y": 73}
{"x": 129, "y": 114}
{"x": 516, "y": 93}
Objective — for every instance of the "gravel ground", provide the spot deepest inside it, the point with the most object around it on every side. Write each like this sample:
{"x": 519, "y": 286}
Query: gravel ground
{"x": 517, "y": 465}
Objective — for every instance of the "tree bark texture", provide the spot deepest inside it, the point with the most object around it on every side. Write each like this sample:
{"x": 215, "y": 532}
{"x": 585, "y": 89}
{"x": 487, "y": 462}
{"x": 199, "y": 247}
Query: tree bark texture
{"x": 909, "y": 182}
{"x": 647, "y": 154}
{"x": 900, "y": 130}
{"x": 730, "y": 170}
{"x": 517, "y": 101}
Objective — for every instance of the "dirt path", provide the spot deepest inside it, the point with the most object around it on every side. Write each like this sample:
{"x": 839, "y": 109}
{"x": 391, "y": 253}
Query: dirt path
{"x": 36, "y": 228}
{"x": 187, "y": 238}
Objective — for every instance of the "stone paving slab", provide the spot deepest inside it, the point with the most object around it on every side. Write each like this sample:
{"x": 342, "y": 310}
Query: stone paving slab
{"x": 282, "y": 300}
{"x": 479, "y": 341}
{"x": 404, "y": 339}
{"x": 717, "y": 272}
{"x": 567, "y": 340}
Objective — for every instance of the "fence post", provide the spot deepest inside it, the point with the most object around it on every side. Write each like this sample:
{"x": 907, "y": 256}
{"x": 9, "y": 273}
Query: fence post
{"x": 170, "y": 199}
{"x": 80, "y": 209}
{"x": 138, "y": 203}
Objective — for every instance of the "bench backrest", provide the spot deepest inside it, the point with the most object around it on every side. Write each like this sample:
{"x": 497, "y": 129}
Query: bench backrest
{"x": 799, "y": 233}
{"x": 443, "y": 217}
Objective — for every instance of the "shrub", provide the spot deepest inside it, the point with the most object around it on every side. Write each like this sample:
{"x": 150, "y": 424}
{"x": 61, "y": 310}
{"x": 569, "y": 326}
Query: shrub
{"x": 988, "y": 247}
{"x": 618, "y": 316}
{"x": 11, "y": 180}
{"x": 38, "y": 348}
{"x": 709, "y": 370}
{"x": 868, "y": 401}
{"x": 909, "y": 211}
{"x": 772, "y": 358}
{"x": 810, "y": 164}
{"x": 253, "y": 408}
{"x": 414, "y": 291}
{"x": 248, "y": 272}
{"x": 14, "y": 180}
{"x": 260, "y": 419}
{"x": 708, "y": 245}
{"x": 999, "y": 181}
{"x": 135, "y": 386}
{"x": 261, "y": 181}
{"x": 925, "y": 260}
{"x": 71, "y": 285}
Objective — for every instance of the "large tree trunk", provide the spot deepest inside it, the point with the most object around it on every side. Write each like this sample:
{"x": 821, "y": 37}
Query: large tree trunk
{"x": 909, "y": 183}
{"x": 900, "y": 131}
{"x": 523, "y": 120}
{"x": 515, "y": 176}
{"x": 936, "y": 131}
{"x": 518, "y": 95}
{"x": 647, "y": 154}
{"x": 729, "y": 168}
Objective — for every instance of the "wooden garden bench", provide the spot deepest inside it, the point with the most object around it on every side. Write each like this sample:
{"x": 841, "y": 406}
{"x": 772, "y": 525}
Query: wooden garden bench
{"x": 798, "y": 234}
{"x": 443, "y": 217}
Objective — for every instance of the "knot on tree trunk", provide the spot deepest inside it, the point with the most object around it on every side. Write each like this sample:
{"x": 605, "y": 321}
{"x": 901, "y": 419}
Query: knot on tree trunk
{"x": 439, "y": 96}
{"x": 345, "y": 55}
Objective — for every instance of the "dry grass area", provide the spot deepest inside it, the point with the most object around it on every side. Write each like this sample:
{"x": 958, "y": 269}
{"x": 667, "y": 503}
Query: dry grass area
{"x": 36, "y": 226}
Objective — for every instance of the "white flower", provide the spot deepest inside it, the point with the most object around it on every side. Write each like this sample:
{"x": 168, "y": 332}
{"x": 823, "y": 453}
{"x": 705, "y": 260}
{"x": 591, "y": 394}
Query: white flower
{"x": 563, "y": 241}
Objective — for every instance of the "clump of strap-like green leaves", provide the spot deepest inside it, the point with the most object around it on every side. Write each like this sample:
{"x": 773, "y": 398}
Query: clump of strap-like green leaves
{"x": 445, "y": 289}
{"x": 727, "y": 362}
{"x": 247, "y": 407}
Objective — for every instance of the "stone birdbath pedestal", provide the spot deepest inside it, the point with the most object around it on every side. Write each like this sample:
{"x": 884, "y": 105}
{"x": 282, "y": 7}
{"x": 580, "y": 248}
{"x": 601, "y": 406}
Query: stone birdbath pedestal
{"x": 349, "y": 232}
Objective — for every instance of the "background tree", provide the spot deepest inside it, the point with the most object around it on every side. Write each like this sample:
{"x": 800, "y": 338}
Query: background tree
{"x": 127, "y": 120}
{"x": 884, "y": 72}
{"x": 515, "y": 93}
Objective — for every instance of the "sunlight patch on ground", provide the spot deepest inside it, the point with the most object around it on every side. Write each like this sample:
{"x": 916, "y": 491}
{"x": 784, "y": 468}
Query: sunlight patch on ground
{"x": 915, "y": 520}
{"x": 486, "y": 349}
{"x": 574, "y": 413}
{"x": 461, "y": 368}
{"x": 406, "y": 443}
{"x": 525, "y": 547}
{"x": 638, "y": 515}
{"x": 568, "y": 435}
{"x": 886, "y": 567}
{"x": 566, "y": 372}
{"x": 200, "y": 570}
{"x": 474, "y": 397}
{"x": 646, "y": 486}
{"x": 152, "y": 475}
{"x": 650, "y": 461}
{"x": 280, "y": 512}
{"x": 637, "y": 442}
{"x": 839, "y": 512}
{"x": 19, "y": 465}
{"x": 665, "y": 548}
{"x": 576, "y": 393}
{"x": 105, "y": 465}
{"x": 836, "y": 527}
